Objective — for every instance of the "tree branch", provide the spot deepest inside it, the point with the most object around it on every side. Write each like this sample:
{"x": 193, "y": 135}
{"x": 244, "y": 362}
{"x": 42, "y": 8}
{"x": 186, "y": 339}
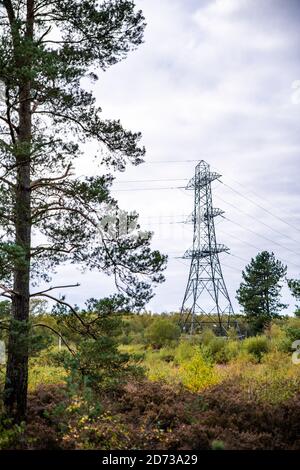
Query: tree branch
{"x": 64, "y": 208}
{"x": 57, "y": 333}
{"x": 73, "y": 311}
{"x": 45, "y": 181}
{"x": 56, "y": 287}
{"x": 37, "y": 250}
{"x": 8, "y": 290}
{"x": 10, "y": 11}
{"x": 5, "y": 295}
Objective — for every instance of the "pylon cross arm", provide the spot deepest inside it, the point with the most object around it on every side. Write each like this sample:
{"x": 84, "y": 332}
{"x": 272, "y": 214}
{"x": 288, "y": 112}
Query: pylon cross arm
{"x": 202, "y": 178}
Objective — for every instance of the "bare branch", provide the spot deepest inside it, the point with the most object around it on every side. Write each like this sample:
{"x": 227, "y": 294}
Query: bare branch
{"x": 7, "y": 290}
{"x": 40, "y": 40}
{"x": 57, "y": 333}
{"x": 64, "y": 208}
{"x": 72, "y": 309}
{"x": 5, "y": 295}
{"x": 6, "y": 181}
{"x": 45, "y": 181}
{"x": 56, "y": 287}
{"x": 41, "y": 249}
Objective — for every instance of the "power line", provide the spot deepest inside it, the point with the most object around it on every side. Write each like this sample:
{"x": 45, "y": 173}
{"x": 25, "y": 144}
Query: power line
{"x": 232, "y": 267}
{"x": 151, "y": 180}
{"x": 225, "y": 184}
{"x": 226, "y": 202}
{"x": 163, "y": 216}
{"x": 150, "y": 189}
{"x": 170, "y": 161}
{"x": 257, "y": 248}
{"x": 237, "y": 208}
{"x": 243, "y": 241}
{"x": 239, "y": 257}
{"x": 257, "y": 220}
{"x": 234, "y": 236}
{"x": 239, "y": 239}
{"x": 262, "y": 236}
{"x": 260, "y": 206}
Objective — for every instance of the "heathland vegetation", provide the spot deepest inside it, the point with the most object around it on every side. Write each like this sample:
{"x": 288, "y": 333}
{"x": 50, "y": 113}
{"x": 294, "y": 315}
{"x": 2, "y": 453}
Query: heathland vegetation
{"x": 145, "y": 385}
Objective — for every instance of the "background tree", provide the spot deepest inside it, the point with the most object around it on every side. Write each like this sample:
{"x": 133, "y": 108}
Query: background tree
{"x": 48, "y": 215}
{"x": 259, "y": 293}
{"x": 294, "y": 285}
{"x": 162, "y": 332}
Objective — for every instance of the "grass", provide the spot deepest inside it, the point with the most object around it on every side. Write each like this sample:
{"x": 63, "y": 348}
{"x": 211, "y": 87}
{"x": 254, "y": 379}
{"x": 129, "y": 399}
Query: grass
{"x": 45, "y": 375}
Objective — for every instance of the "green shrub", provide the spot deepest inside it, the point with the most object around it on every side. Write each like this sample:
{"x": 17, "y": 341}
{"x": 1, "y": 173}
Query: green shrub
{"x": 217, "y": 445}
{"x": 197, "y": 373}
{"x": 133, "y": 349}
{"x": 47, "y": 357}
{"x": 184, "y": 351}
{"x": 207, "y": 336}
{"x": 162, "y": 332}
{"x": 102, "y": 363}
{"x": 256, "y": 346}
{"x": 167, "y": 354}
{"x": 158, "y": 369}
{"x": 216, "y": 349}
{"x": 274, "y": 381}
{"x": 292, "y": 329}
{"x": 232, "y": 349}
{"x": 43, "y": 375}
{"x": 244, "y": 358}
{"x": 10, "y": 434}
{"x": 279, "y": 340}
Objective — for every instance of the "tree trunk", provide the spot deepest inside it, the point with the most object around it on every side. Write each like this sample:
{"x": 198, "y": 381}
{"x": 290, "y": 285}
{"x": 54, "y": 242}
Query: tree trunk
{"x": 15, "y": 391}
{"x": 17, "y": 363}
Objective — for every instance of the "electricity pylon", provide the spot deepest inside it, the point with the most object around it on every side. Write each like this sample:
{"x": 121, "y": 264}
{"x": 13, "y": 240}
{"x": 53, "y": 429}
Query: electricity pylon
{"x": 206, "y": 293}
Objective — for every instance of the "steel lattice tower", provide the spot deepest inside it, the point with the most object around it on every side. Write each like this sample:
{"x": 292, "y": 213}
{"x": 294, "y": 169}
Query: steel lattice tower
{"x": 206, "y": 293}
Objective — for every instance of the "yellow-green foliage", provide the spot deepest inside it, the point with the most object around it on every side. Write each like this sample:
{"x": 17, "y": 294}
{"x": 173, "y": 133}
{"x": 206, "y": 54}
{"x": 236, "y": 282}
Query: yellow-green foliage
{"x": 278, "y": 339}
{"x": 216, "y": 349}
{"x": 232, "y": 349}
{"x": 158, "y": 369}
{"x": 166, "y": 354}
{"x": 197, "y": 374}
{"x": 162, "y": 332}
{"x": 46, "y": 357}
{"x": 189, "y": 367}
{"x": 41, "y": 375}
{"x": 257, "y": 346}
{"x": 107, "y": 432}
{"x": 274, "y": 380}
{"x": 217, "y": 445}
{"x": 184, "y": 351}
{"x": 132, "y": 348}
{"x": 292, "y": 329}
{"x": 207, "y": 336}
{"x": 262, "y": 364}
{"x": 10, "y": 434}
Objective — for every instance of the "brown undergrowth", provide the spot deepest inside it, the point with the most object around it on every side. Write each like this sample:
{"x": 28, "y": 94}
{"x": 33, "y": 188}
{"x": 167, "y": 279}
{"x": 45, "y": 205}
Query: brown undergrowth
{"x": 149, "y": 415}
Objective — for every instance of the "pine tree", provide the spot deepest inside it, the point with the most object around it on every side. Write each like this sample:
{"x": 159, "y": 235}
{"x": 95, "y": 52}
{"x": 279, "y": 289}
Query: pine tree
{"x": 294, "y": 285}
{"x": 47, "y": 48}
{"x": 259, "y": 293}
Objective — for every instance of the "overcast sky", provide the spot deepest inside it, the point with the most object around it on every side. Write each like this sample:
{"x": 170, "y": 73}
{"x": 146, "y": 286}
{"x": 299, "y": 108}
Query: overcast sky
{"x": 219, "y": 81}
